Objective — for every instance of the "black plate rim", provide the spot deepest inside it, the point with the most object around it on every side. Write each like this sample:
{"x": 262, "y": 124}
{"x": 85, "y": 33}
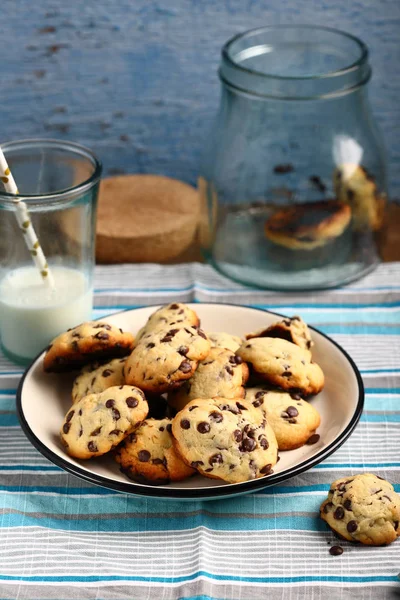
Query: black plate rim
{"x": 216, "y": 493}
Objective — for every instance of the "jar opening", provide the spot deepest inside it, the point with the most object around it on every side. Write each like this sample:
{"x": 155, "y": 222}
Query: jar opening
{"x": 295, "y": 62}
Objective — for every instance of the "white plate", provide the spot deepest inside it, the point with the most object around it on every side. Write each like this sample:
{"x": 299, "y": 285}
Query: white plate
{"x": 44, "y": 399}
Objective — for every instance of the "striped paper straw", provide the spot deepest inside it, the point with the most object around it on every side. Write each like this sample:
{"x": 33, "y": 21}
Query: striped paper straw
{"x": 25, "y": 224}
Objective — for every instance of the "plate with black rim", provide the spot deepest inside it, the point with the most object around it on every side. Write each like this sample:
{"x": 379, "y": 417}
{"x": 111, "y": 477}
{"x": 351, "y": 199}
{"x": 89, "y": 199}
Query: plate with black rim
{"x": 43, "y": 400}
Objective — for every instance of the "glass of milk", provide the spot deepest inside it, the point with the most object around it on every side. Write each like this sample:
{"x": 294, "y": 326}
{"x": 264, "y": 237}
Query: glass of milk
{"x": 59, "y": 183}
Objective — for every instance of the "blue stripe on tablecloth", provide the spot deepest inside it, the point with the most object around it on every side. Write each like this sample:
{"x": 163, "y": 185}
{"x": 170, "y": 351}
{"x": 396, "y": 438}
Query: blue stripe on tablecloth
{"x": 191, "y": 577}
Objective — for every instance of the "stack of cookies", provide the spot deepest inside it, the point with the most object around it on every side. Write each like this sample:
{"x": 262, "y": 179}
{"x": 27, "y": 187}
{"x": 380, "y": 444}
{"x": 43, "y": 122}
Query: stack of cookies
{"x": 175, "y": 401}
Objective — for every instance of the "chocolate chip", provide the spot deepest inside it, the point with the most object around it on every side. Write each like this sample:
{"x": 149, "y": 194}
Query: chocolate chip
{"x": 229, "y": 370}
{"x": 185, "y": 367}
{"x": 110, "y": 403}
{"x": 196, "y": 463}
{"x": 328, "y": 507}
{"x": 185, "y": 424}
{"x": 208, "y": 470}
{"x": 308, "y": 344}
{"x": 266, "y": 469}
{"x": 216, "y": 459}
{"x": 102, "y": 335}
{"x": 115, "y": 432}
{"x": 183, "y": 350}
{"x": 313, "y": 439}
{"x": 193, "y": 407}
{"x": 235, "y": 360}
{"x": 169, "y": 428}
{"x": 80, "y": 432}
{"x": 92, "y": 447}
{"x": 96, "y": 431}
{"x": 283, "y": 169}
{"x": 131, "y": 402}
{"x": 341, "y": 487}
{"x": 247, "y": 445}
{"x": 378, "y": 476}
{"x": 284, "y": 415}
{"x": 144, "y": 455}
{"x": 75, "y": 346}
{"x": 296, "y": 396}
{"x": 237, "y": 434}
{"x": 292, "y": 411}
{"x": 93, "y": 381}
{"x": 240, "y": 406}
{"x": 69, "y": 416}
{"x": 159, "y": 461}
{"x": 80, "y": 412}
{"x": 166, "y": 338}
{"x": 292, "y": 421}
{"x": 339, "y": 513}
{"x": 384, "y": 496}
{"x": 216, "y": 416}
{"x": 150, "y": 345}
{"x": 258, "y": 402}
{"x": 287, "y": 374}
{"x": 107, "y": 372}
{"x": 336, "y": 550}
{"x": 116, "y": 414}
{"x": 201, "y": 333}
{"x": 352, "y": 526}
{"x": 203, "y": 427}
{"x": 264, "y": 443}
{"x": 395, "y": 523}
{"x": 231, "y": 409}
{"x": 347, "y": 504}
{"x": 174, "y": 306}
{"x": 249, "y": 431}
{"x": 66, "y": 427}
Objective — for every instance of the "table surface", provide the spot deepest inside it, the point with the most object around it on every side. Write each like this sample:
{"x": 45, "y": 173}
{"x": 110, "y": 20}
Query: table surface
{"x": 62, "y": 538}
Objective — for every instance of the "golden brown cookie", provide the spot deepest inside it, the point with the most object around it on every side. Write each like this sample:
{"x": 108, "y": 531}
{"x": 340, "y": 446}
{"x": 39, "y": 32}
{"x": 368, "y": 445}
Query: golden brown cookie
{"x": 293, "y": 420}
{"x": 292, "y": 329}
{"x": 225, "y": 439}
{"x": 94, "y": 340}
{"x": 96, "y": 378}
{"x": 309, "y": 225}
{"x": 221, "y": 373}
{"x": 283, "y": 364}
{"x": 355, "y": 186}
{"x": 147, "y": 455}
{"x": 363, "y": 508}
{"x": 99, "y": 422}
{"x": 164, "y": 359}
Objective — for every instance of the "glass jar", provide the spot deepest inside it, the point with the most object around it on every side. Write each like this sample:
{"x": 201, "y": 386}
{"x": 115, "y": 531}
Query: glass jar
{"x": 58, "y": 181}
{"x": 293, "y": 181}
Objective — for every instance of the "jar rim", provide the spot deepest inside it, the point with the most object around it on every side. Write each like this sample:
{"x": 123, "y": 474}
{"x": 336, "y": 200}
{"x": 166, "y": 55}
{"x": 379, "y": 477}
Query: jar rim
{"x": 59, "y": 195}
{"x": 364, "y": 52}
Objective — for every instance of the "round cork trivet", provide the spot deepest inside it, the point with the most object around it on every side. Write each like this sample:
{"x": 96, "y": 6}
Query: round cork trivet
{"x": 145, "y": 218}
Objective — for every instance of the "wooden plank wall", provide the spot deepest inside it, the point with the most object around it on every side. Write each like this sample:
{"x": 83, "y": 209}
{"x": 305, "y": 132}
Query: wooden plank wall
{"x": 136, "y": 79}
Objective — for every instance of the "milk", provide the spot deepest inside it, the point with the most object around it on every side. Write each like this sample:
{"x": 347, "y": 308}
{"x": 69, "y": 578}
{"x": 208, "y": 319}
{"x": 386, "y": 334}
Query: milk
{"x": 32, "y": 314}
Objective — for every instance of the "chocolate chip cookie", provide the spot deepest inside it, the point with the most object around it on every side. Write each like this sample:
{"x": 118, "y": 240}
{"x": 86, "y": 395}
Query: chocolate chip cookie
{"x": 355, "y": 186}
{"x": 165, "y": 358}
{"x": 292, "y": 419}
{"x": 99, "y": 422}
{"x": 96, "y": 378}
{"x": 220, "y": 339}
{"x": 221, "y": 373}
{"x": 292, "y": 329}
{"x": 363, "y": 508}
{"x": 94, "y": 340}
{"x": 225, "y": 439}
{"x": 283, "y": 364}
{"x": 147, "y": 455}
{"x": 167, "y": 317}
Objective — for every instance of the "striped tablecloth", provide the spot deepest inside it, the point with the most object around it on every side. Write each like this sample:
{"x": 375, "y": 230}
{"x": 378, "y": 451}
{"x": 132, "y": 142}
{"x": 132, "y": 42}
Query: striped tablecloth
{"x": 62, "y": 538}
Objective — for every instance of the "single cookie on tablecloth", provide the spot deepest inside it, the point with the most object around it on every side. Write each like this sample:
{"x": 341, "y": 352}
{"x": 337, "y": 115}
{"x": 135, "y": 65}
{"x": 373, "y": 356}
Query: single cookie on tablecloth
{"x": 96, "y": 378}
{"x": 292, "y": 329}
{"x": 363, "y": 508}
{"x": 283, "y": 364}
{"x": 175, "y": 314}
{"x": 308, "y": 226}
{"x": 356, "y": 187}
{"x": 225, "y": 439}
{"x": 84, "y": 344}
{"x": 221, "y": 374}
{"x": 147, "y": 455}
{"x": 99, "y": 422}
{"x": 164, "y": 359}
{"x": 219, "y": 339}
{"x": 293, "y": 420}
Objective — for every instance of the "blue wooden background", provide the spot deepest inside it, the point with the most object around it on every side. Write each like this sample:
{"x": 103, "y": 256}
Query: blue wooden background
{"x": 136, "y": 79}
